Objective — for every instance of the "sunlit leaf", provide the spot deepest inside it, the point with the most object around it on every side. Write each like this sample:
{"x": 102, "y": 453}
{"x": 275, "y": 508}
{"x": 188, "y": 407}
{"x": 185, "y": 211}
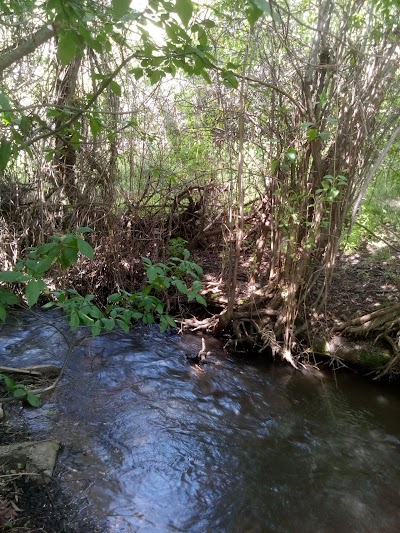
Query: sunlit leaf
{"x": 312, "y": 134}
{"x": 291, "y": 154}
{"x": 184, "y": 9}
{"x": 253, "y": 13}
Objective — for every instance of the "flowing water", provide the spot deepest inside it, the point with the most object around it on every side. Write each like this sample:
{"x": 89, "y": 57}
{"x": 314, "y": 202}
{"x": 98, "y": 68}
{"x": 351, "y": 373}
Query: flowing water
{"x": 154, "y": 444}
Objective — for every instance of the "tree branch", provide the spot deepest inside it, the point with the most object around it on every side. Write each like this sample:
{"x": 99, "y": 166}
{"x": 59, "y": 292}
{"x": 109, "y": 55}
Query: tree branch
{"x": 45, "y": 33}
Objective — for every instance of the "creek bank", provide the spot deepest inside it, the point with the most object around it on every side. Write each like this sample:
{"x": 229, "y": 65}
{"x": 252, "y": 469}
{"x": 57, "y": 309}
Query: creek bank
{"x": 31, "y": 496}
{"x": 358, "y": 324}
{"x": 359, "y": 353}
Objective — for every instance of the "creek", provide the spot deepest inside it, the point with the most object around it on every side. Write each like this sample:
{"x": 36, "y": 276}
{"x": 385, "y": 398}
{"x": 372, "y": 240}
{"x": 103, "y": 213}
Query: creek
{"x": 154, "y": 444}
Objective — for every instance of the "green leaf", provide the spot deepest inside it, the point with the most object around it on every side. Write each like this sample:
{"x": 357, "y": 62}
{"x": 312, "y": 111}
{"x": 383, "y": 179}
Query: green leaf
{"x": 44, "y": 265}
{"x": 85, "y": 318}
{"x": 146, "y": 261}
{"x": 253, "y": 13}
{"x": 96, "y": 328}
{"x": 74, "y": 320}
{"x": 123, "y": 325}
{"x": 324, "y": 135}
{"x": 267, "y": 8}
{"x": 96, "y": 126}
{"x": 70, "y": 254}
{"x": 120, "y": 8}
{"x": 33, "y": 291}
{"x": 3, "y": 312}
{"x": 148, "y": 318}
{"x": 85, "y": 248}
{"x": 7, "y": 297}
{"x": 184, "y": 9}
{"x": 170, "y": 321}
{"x": 67, "y": 47}
{"x": 155, "y": 76}
{"x": 196, "y": 285}
{"x": 114, "y": 297}
{"x": 180, "y": 286}
{"x": 153, "y": 272}
{"x": 200, "y": 299}
{"x": 137, "y": 72}
{"x": 116, "y": 88}
{"x": 208, "y": 23}
{"x": 312, "y": 134}
{"x": 108, "y": 323}
{"x": 45, "y": 248}
{"x": 19, "y": 393}
{"x": 95, "y": 312}
{"x": 9, "y": 383}
{"x": 32, "y": 399}
{"x": 229, "y": 79}
{"x": 5, "y": 153}
{"x": 274, "y": 165}
{"x": 84, "y": 229}
{"x": 49, "y": 305}
{"x": 291, "y": 154}
{"x": 11, "y": 276}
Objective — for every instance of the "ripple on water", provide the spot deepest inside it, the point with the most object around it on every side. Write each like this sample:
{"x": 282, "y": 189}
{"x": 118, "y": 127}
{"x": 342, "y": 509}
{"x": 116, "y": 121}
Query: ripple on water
{"x": 153, "y": 444}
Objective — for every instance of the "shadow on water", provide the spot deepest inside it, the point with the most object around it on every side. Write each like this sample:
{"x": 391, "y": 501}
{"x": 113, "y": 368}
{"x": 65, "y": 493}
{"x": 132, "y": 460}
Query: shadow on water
{"x": 153, "y": 444}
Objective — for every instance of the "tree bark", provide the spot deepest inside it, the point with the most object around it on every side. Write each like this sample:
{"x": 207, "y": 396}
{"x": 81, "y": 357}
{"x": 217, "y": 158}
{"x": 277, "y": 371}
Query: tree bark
{"x": 44, "y": 34}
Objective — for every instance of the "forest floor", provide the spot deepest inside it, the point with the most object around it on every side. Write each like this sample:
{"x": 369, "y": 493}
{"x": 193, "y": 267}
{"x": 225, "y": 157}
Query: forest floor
{"x": 363, "y": 282}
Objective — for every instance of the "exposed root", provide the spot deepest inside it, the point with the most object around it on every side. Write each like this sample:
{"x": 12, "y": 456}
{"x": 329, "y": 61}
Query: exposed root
{"x": 381, "y": 321}
{"x": 385, "y": 324}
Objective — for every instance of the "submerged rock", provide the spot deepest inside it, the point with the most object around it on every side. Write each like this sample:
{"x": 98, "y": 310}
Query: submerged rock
{"x": 36, "y": 458}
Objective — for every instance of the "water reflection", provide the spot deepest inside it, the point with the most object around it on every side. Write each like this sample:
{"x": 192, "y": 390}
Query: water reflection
{"x": 153, "y": 444}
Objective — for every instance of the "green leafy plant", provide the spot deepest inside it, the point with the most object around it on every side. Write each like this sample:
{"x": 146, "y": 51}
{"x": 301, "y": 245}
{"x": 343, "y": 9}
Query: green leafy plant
{"x": 19, "y": 391}
{"x": 162, "y": 279}
{"x": 62, "y": 249}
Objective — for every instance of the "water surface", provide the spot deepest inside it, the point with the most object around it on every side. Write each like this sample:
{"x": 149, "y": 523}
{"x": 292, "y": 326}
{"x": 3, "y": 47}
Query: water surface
{"x": 153, "y": 444}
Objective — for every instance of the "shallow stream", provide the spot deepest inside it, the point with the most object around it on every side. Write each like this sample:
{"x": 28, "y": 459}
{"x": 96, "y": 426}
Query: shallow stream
{"x": 154, "y": 444}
